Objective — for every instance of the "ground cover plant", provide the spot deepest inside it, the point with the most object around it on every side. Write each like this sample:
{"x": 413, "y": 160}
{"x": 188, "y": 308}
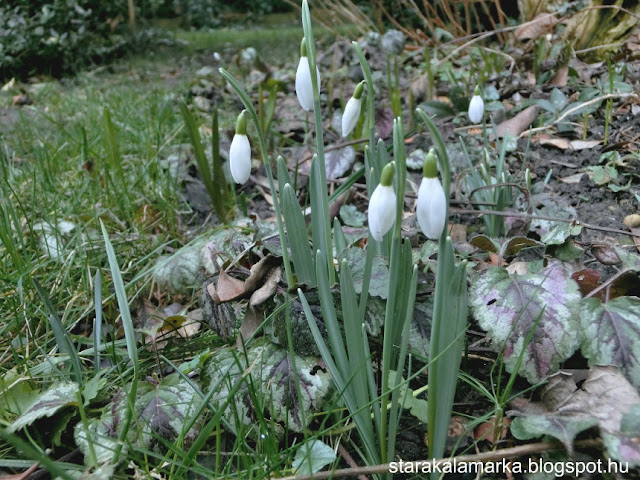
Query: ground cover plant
{"x": 225, "y": 264}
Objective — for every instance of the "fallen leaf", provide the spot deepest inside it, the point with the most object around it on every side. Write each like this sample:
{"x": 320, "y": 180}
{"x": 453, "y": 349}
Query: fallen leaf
{"x": 606, "y": 255}
{"x": 572, "y": 179}
{"x": 458, "y": 233}
{"x": 267, "y": 290}
{"x": 584, "y": 144}
{"x": 632, "y": 220}
{"x": 561, "y": 78}
{"x": 258, "y": 272}
{"x": 540, "y": 25}
{"x": 561, "y": 143}
{"x": 228, "y": 288}
{"x": 587, "y": 280}
{"x": 487, "y": 430}
{"x": 518, "y": 124}
{"x": 604, "y": 399}
{"x": 518, "y": 268}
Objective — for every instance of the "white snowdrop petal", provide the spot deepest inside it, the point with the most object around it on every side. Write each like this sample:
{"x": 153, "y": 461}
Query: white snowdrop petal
{"x": 476, "y": 109}
{"x": 431, "y": 207}
{"x": 351, "y": 115}
{"x": 240, "y": 158}
{"x": 382, "y": 211}
{"x": 304, "y": 88}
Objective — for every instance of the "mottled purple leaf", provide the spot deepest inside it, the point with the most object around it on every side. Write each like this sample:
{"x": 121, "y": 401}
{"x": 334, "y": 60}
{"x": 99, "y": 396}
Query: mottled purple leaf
{"x": 47, "y": 404}
{"x": 272, "y": 374}
{"x": 162, "y": 411}
{"x": 339, "y": 162}
{"x": 611, "y": 334}
{"x": 508, "y": 307}
{"x": 624, "y": 446}
{"x": 384, "y": 122}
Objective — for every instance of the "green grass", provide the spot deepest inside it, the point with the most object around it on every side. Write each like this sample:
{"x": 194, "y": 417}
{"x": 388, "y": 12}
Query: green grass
{"x": 64, "y": 164}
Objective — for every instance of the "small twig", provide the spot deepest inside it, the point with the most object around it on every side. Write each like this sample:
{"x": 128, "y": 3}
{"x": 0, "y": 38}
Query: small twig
{"x": 576, "y": 108}
{"x": 349, "y": 459}
{"x": 417, "y": 466}
{"x": 542, "y": 217}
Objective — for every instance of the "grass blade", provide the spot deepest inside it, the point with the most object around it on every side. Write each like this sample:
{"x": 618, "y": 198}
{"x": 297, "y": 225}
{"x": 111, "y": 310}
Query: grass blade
{"x": 65, "y": 345}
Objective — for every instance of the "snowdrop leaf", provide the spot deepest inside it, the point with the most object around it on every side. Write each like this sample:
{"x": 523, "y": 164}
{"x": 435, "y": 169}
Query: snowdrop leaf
{"x": 545, "y": 303}
{"x": 611, "y": 334}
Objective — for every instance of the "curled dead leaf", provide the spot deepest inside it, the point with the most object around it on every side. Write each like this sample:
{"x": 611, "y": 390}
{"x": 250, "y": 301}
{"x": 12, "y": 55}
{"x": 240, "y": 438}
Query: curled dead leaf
{"x": 540, "y": 25}
{"x": 518, "y": 124}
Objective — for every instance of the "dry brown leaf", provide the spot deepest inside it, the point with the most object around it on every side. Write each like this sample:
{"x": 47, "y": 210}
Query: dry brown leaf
{"x": 561, "y": 143}
{"x": 561, "y": 78}
{"x": 518, "y": 268}
{"x": 604, "y": 397}
{"x": 584, "y": 144}
{"x": 458, "y": 233}
{"x": 572, "y": 179}
{"x": 252, "y": 321}
{"x": 266, "y": 291}
{"x": 632, "y": 221}
{"x": 258, "y": 272}
{"x": 487, "y": 430}
{"x": 540, "y": 25}
{"x": 228, "y": 288}
{"x": 518, "y": 124}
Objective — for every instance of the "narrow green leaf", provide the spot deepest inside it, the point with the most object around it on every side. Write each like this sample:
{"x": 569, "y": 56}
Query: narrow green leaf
{"x": 97, "y": 321}
{"x": 130, "y": 339}
{"x": 65, "y": 345}
{"x": 215, "y": 188}
{"x": 298, "y": 237}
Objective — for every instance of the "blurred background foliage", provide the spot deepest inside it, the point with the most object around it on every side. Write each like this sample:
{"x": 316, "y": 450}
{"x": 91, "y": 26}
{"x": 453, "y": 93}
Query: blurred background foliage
{"x": 59, "y": 37}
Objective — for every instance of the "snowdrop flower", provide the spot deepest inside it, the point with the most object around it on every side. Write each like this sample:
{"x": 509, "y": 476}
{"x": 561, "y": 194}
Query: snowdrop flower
{"x": 382, "y": 205}
{"x": 476, "y": 106}
{"x": 304, "y": 87}
{"x": 240, "y": 152}
{"x": 432, "y": 203}
{"x": 352, "y": 110}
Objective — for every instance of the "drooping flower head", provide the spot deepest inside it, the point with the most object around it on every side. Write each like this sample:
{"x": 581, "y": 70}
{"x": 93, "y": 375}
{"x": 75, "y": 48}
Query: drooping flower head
{"x": 382, "y": 205}
{"x": 352, "y": 110}
{"x": 304, "y": 87}
{"x": 476, "y": 106}
{"x": 240, "y": 152}
{"x": 432, "y": 204}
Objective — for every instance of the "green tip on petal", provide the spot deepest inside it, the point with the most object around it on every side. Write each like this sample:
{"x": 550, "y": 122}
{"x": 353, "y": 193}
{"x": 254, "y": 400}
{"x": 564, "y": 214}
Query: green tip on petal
{"x": 430, "y": 167}
{"x": 477, "y": 91}
{"x": 387, "y": 174}
{"x": 303, "y": 47}
{"x": 357, "y": 94}
{"x": 241, "y": 124}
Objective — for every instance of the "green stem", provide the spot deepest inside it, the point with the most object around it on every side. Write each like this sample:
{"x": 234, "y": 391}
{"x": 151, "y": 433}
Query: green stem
{"x": 311, "y": 55}
{"x": 267, "y": 166}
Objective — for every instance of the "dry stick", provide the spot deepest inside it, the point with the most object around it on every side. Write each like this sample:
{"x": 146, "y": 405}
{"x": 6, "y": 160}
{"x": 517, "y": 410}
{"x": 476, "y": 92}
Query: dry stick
{"x": 542, "y": 217}
{"x": 434, "y": 464}
{"x": 576, "y": 108}
{"x": 349, "y": 459}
